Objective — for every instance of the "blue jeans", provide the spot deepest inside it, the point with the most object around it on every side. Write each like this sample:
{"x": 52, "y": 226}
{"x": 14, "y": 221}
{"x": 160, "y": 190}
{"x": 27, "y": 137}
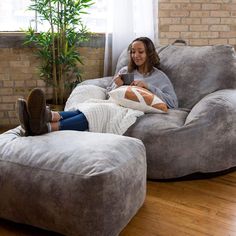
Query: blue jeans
{"x": 73, "y": 120}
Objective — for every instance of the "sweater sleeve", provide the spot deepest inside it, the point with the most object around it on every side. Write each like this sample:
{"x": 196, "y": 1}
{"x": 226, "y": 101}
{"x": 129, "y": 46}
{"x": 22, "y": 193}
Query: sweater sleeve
{"x": 163, "y": 88}
{"x": 113, "y": 85}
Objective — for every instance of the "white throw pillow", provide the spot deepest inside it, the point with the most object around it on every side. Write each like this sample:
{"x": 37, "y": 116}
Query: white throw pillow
{"x": 83, "y": 93}
{"x": 138, "y": 98}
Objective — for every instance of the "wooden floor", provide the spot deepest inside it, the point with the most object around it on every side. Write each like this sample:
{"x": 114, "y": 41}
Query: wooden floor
{"x": 197, "y": 207}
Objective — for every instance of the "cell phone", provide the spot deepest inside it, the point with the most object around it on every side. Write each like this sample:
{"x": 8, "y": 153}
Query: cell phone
{"x": 127, "y": 78}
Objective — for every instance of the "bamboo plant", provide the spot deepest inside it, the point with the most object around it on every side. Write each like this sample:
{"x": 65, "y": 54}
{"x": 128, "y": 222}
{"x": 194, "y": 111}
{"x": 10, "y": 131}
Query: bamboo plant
{"x": 58, "y": 47}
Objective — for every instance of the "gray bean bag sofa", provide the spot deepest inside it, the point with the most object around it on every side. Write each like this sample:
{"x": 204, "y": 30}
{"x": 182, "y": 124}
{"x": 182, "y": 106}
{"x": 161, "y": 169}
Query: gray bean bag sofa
{"x": 199, "y": 136}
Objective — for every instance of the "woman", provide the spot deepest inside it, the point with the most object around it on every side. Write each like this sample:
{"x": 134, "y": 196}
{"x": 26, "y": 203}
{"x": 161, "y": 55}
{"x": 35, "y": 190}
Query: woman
{"x": 144, "y": 62}
{"x": 36, "y": 119}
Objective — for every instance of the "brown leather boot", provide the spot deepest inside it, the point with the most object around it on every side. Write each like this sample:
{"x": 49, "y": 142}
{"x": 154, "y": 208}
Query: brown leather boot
{"x": 23, "y": 116}
{"x": 39, "y": 114}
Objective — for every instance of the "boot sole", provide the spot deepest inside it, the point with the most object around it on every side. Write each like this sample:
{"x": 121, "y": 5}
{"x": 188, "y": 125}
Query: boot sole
{"x": 23, "y": 115}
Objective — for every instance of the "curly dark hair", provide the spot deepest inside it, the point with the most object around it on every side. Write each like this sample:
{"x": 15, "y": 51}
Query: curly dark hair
{"x": 153, "y": 59}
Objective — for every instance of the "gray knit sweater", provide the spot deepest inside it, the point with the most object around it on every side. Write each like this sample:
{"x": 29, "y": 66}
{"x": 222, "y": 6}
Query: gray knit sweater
{"x": 158, "y": 83}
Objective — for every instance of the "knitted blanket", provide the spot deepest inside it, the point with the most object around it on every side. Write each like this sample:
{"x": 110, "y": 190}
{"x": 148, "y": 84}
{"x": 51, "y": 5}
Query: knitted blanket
{"x": 104, "y": 116}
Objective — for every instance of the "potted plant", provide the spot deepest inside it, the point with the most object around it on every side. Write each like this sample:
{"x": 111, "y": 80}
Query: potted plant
{"x": 58, "y": 46}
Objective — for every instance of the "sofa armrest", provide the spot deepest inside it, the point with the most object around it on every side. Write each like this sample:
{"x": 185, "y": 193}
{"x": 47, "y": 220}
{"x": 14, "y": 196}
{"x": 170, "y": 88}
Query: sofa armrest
{"x": 103, "y": 82}
{"x": 217, "y": 105}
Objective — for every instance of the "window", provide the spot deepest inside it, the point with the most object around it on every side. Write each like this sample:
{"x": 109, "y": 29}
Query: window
{"x": 14, "y": 16}
{"x": 96, "y": 19}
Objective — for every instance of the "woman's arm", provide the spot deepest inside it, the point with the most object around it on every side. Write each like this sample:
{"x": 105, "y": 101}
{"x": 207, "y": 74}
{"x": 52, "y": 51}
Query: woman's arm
{"x": 167, "y": 94}
{"x": 117, "y": 81}
{"x": 159, "y": 84}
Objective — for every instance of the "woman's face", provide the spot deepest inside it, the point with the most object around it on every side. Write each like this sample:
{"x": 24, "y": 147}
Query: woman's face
{"x": 138, "y": 53}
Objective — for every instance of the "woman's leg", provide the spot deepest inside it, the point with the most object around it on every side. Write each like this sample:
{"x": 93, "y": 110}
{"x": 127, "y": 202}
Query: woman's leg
{"x": 59, "y": 115}
{"x": 40, "y": 116}
{"x": 77, "y": 122}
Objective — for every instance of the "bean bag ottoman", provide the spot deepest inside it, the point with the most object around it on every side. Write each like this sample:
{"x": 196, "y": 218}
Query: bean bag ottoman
{"x": 74, "y": 183}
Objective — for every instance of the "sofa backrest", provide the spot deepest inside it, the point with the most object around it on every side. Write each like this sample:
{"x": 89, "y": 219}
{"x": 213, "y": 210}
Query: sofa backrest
{"x": 198, "y": 71}
{"x": 195, "y": 71}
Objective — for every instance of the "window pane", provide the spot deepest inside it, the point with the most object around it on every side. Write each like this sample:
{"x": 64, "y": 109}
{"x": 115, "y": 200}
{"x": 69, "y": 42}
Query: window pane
{"x": 14, "y": 15}
{"x": 96, "y": 19}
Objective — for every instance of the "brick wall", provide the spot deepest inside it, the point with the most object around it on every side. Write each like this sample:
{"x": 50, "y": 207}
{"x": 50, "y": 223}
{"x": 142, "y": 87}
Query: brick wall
{"x": 199, "y": 22}
{"x": 19, "y": 73}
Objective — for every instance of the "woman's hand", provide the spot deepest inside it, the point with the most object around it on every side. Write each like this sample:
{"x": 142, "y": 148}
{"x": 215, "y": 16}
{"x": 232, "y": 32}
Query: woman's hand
{"x": 118, "y": 81}
{"x": 139, "y": 83}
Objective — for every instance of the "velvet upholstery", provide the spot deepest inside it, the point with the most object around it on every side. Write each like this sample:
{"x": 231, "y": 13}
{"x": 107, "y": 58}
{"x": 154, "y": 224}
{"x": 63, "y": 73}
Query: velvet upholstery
{"x": 199, "y": 136}
{"x": 74, "y": 183}
{"x": 198, "y": 71}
